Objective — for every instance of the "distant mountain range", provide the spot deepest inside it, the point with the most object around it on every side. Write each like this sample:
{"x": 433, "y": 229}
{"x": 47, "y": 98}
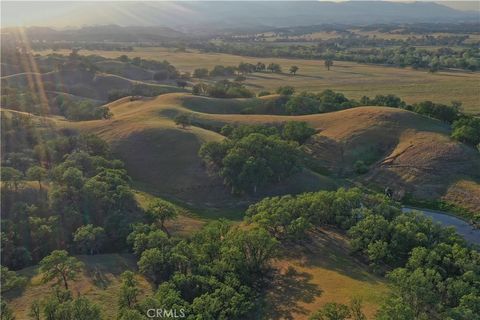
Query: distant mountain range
{"x": 189, "y": 15}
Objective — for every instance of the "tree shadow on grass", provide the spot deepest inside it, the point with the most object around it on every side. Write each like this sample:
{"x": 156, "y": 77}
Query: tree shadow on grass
{"x": 288, "y": 290}
{"x": 99, "y": 278}
{"x": 328, "y": 248}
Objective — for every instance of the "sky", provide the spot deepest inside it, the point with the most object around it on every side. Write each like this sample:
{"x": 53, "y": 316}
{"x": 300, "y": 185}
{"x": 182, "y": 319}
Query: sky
{"x": 39, "y": 13}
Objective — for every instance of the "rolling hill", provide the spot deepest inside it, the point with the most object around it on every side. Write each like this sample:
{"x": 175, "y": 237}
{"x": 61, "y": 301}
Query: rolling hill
{"x": 410, "y": 153}
{"x": 82, "y": 83}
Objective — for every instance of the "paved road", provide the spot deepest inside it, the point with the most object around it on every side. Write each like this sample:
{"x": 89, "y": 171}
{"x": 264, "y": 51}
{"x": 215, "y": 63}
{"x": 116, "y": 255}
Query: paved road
{"x": 463, "y": 228}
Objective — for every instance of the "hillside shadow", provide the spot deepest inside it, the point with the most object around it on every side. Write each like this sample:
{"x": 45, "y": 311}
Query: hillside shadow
{"x": 289, "y": 289}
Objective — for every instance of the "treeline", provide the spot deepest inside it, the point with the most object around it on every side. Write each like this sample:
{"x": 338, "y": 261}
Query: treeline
{"x": 60, "y": 191}
{"x": 254, "y": 156}
{"x": 432, "y": 271}
{"x": 242, "y": 69}
{"x": 467, "y": 58}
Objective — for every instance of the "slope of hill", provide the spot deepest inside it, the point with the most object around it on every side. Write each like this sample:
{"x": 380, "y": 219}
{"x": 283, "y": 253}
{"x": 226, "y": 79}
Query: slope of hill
{"x": 163, "y": 158}
{"x": 410, "y": 153}
{"x": 99, "y": 281}
{"x": 79, "y": 82}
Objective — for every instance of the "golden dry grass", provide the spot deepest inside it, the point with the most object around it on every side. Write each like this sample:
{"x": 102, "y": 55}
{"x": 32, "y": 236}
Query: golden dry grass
{"x": 99, "y": 281}
{"x": 163, "y": 159}
{"x": 406, "y": 151}
{"x": 322, "y": 271}
{"x": 353, "y": 79}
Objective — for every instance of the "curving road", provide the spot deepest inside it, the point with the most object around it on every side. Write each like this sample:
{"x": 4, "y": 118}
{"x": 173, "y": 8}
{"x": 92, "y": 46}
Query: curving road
{"x": 463, "y": 228}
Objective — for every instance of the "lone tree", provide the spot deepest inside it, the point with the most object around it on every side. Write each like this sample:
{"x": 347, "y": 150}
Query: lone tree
{"x": 37, "y": 173}
{"x": 60, "y": 266}
{"x": 328, "y": 63}
{"x": 129, "y": 291}
{"x": 160, "y": 211}
{"x": 293, "y": 69}
{"x": 183, "y": 120}
{"x": 89, "y": 238}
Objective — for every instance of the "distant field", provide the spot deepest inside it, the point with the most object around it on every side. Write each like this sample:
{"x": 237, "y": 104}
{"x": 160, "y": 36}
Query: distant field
{"x": 353, "y": 79}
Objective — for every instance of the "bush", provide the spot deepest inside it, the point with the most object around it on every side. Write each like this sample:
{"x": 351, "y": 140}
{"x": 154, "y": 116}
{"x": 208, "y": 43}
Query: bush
{"x": 263, "y": 93}
{"x": 297, "y": 131}
{"x": 360, "y": 167}
{"x": 286, "y": 90}
{"x": 467, "y": 130}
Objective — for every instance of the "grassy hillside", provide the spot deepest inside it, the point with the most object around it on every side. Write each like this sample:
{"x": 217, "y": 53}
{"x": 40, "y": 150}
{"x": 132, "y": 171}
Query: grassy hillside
{"x": 410, "y": 153}
{"x": 322, "y": 271}
{"x": 80, "y": 83}
{"x": 163, "y": 158}
{"x": 353, "y": 79}
{"x": 99, "y": 281}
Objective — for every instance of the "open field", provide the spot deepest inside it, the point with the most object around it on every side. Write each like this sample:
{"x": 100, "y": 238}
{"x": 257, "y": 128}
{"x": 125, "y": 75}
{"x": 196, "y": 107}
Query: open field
{"x": 320, "y": 272}
{"x": 353, "y": 79}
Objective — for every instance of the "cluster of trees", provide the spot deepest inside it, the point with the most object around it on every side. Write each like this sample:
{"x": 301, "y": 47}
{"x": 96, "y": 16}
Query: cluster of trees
{"x": 309, "y": 103}
{"x": 81, "y": 110}
{"x": 216, "y": 274}
{"x": 28, "y": 101}
{"x": 254, "y": 156}
{"x": 242, "y": 69}
{"x": 432, "y": 271}
{"x": 222, "y": 89}
{"x": 163, "y": 70}
{"x": 467, "y": 129}
{"x": 21, "y": 100}
{"x": 61, "y": 269}
{"x": 87, "y": 207}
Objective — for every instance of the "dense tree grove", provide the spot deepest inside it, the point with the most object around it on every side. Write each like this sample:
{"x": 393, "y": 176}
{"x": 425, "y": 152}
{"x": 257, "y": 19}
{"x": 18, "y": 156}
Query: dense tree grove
{"x": 253, "y": 156}
{"x": 213, "y": 275}
{"x": 83, "y": 194}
